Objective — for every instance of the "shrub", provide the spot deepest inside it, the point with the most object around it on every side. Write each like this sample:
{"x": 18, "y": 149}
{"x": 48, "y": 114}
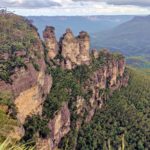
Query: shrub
{"x": 36, "y": 66}
{"x": 34, "y": 125}
{"x": 8, "y": 144}
{"x": 82, "y": 73}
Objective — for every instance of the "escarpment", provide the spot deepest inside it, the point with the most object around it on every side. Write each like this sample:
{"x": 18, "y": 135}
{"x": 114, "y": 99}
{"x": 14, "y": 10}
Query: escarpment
{"x": 56, "y": 87}
{"x": 22, "y": 71}
{"x": 96, "y": 76}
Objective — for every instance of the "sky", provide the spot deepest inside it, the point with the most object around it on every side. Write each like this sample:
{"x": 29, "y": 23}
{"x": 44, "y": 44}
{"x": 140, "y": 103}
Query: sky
{"x": 77, "y": 7}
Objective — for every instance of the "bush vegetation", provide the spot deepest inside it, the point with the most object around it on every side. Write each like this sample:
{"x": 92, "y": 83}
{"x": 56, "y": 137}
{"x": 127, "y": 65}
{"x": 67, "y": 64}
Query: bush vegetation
{"x": 65, "y": 86}
{"x": 7, "y": 124}
{"x": 16, "y": 34}
{"x": 8, "y": 144}
{"x": 34, "y": 126}
{"x": 124, "y": 121}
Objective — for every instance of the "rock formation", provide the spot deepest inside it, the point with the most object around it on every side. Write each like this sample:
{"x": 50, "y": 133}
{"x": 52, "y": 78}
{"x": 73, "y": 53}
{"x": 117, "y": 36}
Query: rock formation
{"x": 84, "y": 46}
{"x": 109, "y": 77}
{"x": 60, "y": 125}
{"x": 74, "y": 50}
{"x": 29, "y": 84}
{"x": 50, "y": 41}
{"x": 95, "y": 53}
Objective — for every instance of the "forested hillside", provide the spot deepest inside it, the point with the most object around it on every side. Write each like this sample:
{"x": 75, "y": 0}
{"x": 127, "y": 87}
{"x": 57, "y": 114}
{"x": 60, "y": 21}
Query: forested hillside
{"x": 131, "y": 37}
{"x": 124, "y": 122}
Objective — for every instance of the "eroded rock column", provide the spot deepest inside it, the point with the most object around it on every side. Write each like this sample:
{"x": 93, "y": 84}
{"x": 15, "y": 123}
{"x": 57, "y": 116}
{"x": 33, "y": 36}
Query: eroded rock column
{"x": 50, "y": 41}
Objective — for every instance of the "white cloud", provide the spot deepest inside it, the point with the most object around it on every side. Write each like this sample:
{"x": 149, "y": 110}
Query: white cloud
{"x": 70, "y": 7}
{"x": 144, "y": 3}
{"x": 29, "y": 3}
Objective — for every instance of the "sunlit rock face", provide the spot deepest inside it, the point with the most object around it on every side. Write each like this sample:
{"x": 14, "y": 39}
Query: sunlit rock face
{"x": 69, "y": 49}
{"x": 50, "y": 41}
{"x": 73, "y": 50}
{"x": 29, "y": 86}
{"x": 59, "y": 126}
{"x": 84, "y": 46}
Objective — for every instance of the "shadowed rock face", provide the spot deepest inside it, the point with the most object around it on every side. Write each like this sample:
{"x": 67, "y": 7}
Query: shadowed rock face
{"x": 50, "y": 41}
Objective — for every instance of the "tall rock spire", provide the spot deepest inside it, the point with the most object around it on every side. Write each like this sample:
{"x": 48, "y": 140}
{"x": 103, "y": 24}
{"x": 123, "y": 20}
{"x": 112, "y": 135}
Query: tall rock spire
{"x": 50, "y": 41}
{"x": 84, "y": 45}
{"x": 69, "y": 46}
{"x": 75, "y": 50}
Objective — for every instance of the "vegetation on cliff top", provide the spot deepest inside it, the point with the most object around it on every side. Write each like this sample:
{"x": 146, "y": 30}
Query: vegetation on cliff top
{"x": 17, "y": 35}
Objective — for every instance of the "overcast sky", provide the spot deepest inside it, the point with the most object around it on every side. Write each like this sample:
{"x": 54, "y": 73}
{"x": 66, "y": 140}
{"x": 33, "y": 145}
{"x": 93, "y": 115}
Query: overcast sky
{"x": 77, "y": 7}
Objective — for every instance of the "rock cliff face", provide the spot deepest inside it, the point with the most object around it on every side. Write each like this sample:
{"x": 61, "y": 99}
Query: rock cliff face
{"x": 74, "y": 50}
{"x": 101, "y": 84}
{"x": 84, "y": 45}
{"x": 69, "y": 49}
{"x": 50, "y": 41}
{"x": 29, "y": 84}
{"x": 59, "y": 125}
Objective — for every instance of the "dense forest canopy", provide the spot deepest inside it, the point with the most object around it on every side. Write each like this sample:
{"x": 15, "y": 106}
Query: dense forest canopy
{"x": 124, "y": 122}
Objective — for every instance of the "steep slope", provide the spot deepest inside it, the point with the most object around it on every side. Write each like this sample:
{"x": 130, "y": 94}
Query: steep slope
{"x": 82, "y": 81}
{"x": 124, "y": 122}
{"x": 22, "y": 66}
{"x": 131, "y": 38}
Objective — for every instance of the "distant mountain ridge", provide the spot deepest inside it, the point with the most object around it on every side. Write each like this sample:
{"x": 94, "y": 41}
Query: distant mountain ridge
{"x": 131, "y": 38}
{"x": 91, "y": 24}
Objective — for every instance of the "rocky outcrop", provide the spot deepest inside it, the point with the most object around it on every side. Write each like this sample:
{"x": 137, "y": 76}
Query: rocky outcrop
{"x": 59, "y": 126}
{"x": 74, "y": 50}
{"x": 84, "y": 46}
{"x": 28, "y": 85}
{"x": 69, "y": 48}
{"x": 103, "y": 83}
{"x": 50, "y": 41}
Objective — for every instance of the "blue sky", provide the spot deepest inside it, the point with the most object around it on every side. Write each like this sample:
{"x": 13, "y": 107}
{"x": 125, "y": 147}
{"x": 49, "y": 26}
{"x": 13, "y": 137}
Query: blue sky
{"x": 77, "y": 7}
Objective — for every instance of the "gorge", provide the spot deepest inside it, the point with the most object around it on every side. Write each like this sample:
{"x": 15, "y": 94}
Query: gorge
{"x": 51, "y": 88}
